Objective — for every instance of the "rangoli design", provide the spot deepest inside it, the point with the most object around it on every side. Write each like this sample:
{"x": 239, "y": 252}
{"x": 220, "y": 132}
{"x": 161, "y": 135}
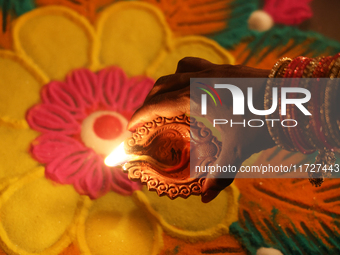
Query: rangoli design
{"x": 72, "y": 72}
{"x": 60, "y": 103}
{"x": 82, "y": 120}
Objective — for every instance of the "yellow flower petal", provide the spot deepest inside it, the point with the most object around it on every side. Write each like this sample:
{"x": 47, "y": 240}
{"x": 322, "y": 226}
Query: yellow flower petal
{"x": 20, "y": 84}
{"x": 132, "y": 35}
{"x": 15, "y": 142}
{"x": 115, "y": 225}
{"x": 57, "y": 39}
{"x": 190, "y": 46}
{"x": 36, "y": 215}
{"x": 190, "y": 218}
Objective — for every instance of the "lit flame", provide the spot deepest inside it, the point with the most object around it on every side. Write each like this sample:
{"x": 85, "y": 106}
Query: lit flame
{"x": 117, "y": 156}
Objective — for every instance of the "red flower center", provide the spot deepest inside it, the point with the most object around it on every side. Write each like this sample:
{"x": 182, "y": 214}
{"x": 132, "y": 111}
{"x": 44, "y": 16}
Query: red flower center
{"x": 107, "y": 127}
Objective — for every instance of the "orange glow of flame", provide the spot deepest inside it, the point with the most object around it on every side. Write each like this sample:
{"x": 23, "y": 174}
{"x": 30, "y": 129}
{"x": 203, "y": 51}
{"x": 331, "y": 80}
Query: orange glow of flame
{"x": 117, "y": 156}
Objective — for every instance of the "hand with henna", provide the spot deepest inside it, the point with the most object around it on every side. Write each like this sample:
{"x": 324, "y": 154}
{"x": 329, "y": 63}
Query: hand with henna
{"x": 170, "y": 97}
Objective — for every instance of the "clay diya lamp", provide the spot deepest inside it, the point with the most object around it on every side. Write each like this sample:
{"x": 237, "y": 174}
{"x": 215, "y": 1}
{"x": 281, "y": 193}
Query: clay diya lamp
{"x": 160, "y": 154}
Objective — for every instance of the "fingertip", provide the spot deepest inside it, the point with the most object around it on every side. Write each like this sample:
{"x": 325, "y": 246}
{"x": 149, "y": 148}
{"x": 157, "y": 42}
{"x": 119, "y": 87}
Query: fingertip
{"x": 207, "y": 185}
{"x": 134, "y": 127}
{"x": 133, "y": 123}
{"x": 213, "y": 186}
{"x": 139, "y": 118}
{"x": 209, "y": 190}
{"x": 209, "y": 195}
{"x": 193, "y": 64}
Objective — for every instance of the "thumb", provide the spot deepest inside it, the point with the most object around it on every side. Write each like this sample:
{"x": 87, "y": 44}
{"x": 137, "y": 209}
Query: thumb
{"x": 168, "y": 105}
{"x": 193, "y": 64}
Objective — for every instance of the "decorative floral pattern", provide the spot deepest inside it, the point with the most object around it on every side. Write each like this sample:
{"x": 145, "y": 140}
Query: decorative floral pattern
{"x": 40, "y": 217}
{"x": 74, "y": 151}
{"x": 58, "y": 87}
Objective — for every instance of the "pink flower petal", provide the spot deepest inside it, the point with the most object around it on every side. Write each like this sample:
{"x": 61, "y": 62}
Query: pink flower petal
{"x": 47, "y": 147}
{"x": 65, "y": 96}
{"x": 50, "y": 118}
{"x": 85, "y": 83}
{"x": 121, "y": 93}
{"x": 65, "y": 169}
{"x": 97, "y": 181}
{"x": 139, "y": 88}
{"x": 288, "y": 12}
{"x": 83, "y": 169}
{"x": 112, "y": 81}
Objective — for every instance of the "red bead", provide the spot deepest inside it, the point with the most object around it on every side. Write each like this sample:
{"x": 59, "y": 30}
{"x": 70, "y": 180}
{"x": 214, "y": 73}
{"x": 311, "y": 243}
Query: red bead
{"x": 107, "y": 127}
